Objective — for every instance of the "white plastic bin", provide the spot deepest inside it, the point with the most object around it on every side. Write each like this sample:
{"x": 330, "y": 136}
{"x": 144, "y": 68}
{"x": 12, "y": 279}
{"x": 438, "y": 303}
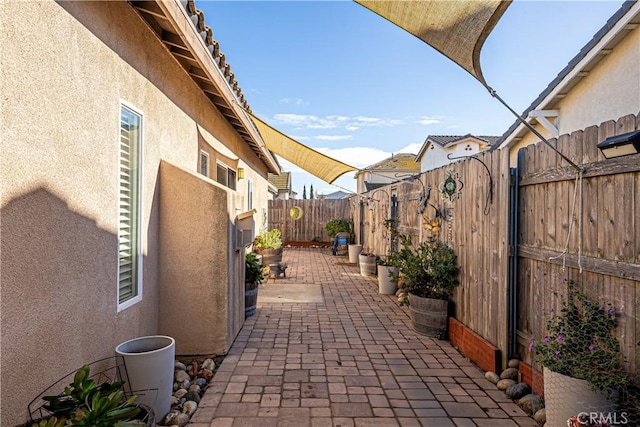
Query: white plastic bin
{"x": 150, "y": 362}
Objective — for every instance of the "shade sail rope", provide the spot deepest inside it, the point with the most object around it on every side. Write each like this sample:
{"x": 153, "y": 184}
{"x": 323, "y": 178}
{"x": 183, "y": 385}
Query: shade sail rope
{"x": 577, "y": 196}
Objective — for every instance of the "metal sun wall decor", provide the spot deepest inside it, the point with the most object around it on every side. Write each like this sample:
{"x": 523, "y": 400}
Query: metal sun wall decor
{"x": 450, "y": 191}
{"x": 451, "y": 187}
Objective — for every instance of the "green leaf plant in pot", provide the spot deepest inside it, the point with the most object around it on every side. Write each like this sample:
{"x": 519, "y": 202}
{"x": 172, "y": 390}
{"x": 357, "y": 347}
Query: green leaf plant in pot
{"x": 252, "y": 279}
{"x": 387, "y": 270}
{"x": 428, "y": 273}
{"x": 85, "y": 403}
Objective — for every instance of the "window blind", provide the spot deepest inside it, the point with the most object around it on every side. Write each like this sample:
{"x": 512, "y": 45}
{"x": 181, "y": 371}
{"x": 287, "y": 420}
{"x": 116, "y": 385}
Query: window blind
{"x": 128, "y": 235}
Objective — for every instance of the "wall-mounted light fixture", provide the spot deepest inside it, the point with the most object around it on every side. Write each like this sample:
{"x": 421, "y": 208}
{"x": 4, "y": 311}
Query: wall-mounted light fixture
{"x": 621, "y": 145}
{"x": 240, "y": 173}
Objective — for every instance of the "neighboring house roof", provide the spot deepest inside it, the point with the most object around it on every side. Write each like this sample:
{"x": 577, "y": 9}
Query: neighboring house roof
{"x": 182, "y": 29}
{"x": 369, "y": 186}
{"x": 593, "y": 52}
{"x": 337, "y": 195}
{"x": 397, "y": 162}
{"x": 445, "y": 141}
{"x": 282, "y": 181}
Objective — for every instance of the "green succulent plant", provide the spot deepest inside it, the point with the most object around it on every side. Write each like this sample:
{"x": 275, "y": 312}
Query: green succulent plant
{"x": 84, "y": 403}
{"x": 252, "y": 269}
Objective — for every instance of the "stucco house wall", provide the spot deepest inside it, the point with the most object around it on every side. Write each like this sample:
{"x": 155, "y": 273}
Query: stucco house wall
{"x": 609, "y": 90}
{"x": 66, "y": 69}
{"x": 435, "y": 155}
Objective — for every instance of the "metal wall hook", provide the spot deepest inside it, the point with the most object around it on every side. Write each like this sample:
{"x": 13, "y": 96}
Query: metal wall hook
{"x": 490, "y": 193}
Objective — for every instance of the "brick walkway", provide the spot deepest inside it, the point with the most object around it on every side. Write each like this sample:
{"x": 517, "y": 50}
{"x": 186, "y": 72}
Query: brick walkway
{"x": 350, "y": 361}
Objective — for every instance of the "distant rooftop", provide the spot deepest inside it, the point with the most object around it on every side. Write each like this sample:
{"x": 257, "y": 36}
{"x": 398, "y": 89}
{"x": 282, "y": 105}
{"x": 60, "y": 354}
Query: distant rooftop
{"x": 400, "y": 161}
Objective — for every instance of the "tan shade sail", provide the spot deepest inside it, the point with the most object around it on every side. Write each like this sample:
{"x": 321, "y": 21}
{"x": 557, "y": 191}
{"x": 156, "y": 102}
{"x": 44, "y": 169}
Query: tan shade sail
{"x": 455, "y": 28}
{"x": 312, "y": 161}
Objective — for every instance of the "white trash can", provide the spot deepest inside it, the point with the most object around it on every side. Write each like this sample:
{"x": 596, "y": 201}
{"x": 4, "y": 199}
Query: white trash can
{"x": 150, "y": 363}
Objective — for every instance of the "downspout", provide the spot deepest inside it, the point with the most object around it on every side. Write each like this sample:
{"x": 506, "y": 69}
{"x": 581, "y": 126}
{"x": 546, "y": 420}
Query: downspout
{"x": 393, "y": 244}
{"x": 512, "y": 315}
{"x": 361, "y": 222}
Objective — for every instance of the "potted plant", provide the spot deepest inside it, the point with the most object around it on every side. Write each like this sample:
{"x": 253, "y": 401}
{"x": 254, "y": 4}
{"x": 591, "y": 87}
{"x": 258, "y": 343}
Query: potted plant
{"x": 581, "y": 357}
{"x": 268, "y": 244}
{"x": 368, "y": 264}
{"x": 387, "y": 271}
{"x": 87, "y": 403}
{"x": 429, "y": 275}
{"x": 252, "y": 278}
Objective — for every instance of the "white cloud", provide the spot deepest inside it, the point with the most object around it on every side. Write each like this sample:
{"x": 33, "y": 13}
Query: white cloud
{"x": 294, "y": 101}
{"x": 411, "y": 148}
{"x": 359, "y": 157}
{"x": 429, "y": 120}
{"x": 368, "y": 119}
{"x": 333, "y": 137}
{"x": 304, "y": 121}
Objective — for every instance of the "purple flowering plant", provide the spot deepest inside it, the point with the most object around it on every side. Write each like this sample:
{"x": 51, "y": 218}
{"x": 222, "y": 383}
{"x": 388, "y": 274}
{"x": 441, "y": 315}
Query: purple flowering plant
{"x": 580, "y": 342}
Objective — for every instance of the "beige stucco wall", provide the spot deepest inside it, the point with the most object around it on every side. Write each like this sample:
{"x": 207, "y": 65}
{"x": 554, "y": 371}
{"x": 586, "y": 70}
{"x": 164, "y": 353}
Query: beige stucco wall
{"x": 65, "y": 69}
{"x": 194, "y": 278}
{"x": 611, "y": 90}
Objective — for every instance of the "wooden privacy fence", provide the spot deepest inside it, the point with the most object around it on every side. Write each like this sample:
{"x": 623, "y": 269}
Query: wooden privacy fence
{"x": 478, "y": 230}
{"x": 315, "y": 215}
{"x": 609, "y": 237}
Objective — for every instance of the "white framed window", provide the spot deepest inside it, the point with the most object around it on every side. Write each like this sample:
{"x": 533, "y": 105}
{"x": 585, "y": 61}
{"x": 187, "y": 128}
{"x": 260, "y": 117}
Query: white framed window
{"x": 249, "y": 194}
{"x": 204, "y": 163}
{"x": 129, "y": 208}
{"x": 225, "y": 175}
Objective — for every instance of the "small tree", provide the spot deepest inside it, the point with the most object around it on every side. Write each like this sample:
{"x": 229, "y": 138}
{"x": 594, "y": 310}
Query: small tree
{"x": 304, "y": 192}
{"x": 311, "y": 192}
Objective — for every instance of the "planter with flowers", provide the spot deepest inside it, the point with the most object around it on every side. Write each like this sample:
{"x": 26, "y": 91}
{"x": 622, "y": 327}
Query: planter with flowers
{"x": 268, "y": 244}
{"x": 581, "y": 358}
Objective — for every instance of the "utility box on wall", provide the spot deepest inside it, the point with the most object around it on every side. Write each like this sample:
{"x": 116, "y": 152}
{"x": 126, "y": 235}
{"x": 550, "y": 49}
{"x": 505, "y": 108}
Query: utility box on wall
{"x": 245, "y": 229}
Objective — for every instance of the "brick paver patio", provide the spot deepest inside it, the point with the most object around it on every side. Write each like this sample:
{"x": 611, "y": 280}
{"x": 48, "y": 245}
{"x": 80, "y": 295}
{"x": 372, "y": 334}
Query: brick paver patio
{"x": 350, "y": 361}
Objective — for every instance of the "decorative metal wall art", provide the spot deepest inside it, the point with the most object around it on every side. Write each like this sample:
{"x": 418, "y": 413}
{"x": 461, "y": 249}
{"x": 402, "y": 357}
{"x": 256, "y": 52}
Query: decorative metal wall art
{"x": 451, "y": 187}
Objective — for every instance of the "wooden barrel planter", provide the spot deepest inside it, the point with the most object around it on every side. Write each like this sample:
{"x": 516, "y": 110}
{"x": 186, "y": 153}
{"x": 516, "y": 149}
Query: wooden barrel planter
{"x": 250, "y": 298}
{"x": 270, "y": 256}
{"x": 368, "y": 265}
{"x": 428, "y": 316}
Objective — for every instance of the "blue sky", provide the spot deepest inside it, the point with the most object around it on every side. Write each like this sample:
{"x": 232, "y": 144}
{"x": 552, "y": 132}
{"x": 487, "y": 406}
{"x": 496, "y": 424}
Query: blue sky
{"x": 344, "y": 81}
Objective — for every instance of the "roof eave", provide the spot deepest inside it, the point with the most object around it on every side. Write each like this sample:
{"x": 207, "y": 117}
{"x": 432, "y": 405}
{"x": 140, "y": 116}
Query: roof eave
{"x": 201, "y": 67}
